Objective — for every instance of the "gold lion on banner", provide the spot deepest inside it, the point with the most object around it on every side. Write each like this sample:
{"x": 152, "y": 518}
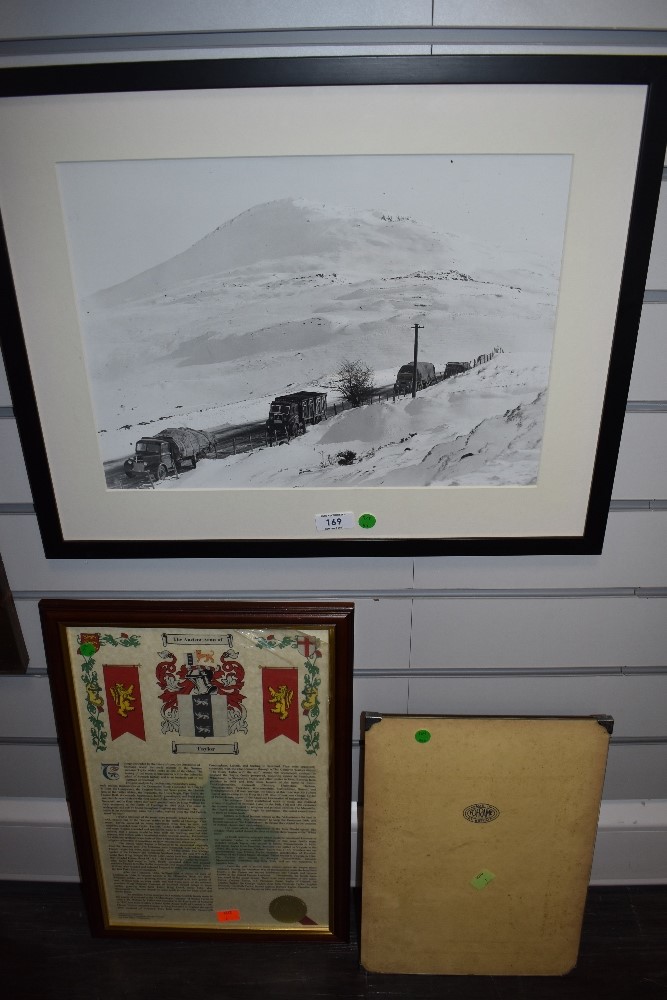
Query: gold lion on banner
{"x": 123, "y": 697}
{"x": 281, "y": 698}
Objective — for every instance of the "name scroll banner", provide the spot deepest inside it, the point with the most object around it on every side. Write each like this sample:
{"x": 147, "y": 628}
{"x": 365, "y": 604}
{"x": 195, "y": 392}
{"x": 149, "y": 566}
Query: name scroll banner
{"x": 206, "y": 748}
{"x": 180, "y": 639}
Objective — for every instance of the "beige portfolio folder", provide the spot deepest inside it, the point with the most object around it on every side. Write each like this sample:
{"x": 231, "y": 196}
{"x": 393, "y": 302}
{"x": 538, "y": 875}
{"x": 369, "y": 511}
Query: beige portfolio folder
{"x": 477, "y": 841}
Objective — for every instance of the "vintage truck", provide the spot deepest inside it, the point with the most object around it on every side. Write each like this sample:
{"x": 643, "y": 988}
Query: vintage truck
{"x": 425, "y": 376}
{"x": 456, "y": 368}
{"x": 289, "y": 414}
{"x": 166, "y": 452}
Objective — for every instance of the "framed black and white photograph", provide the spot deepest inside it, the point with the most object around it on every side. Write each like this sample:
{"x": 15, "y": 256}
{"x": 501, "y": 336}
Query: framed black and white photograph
{"x": 326, "y": 306}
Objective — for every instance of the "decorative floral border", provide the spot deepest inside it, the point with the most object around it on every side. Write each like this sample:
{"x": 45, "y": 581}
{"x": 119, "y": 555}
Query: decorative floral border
{"x": 310, "y": 705}
{"x": 90, "y": 643}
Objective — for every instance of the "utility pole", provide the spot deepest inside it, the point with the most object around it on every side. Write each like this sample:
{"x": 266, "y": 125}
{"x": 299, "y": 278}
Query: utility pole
{"x": 417, "y": 328}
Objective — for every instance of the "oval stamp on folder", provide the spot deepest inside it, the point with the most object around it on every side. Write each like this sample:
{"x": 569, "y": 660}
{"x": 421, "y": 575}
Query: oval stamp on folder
{"x": 481, "y": 812}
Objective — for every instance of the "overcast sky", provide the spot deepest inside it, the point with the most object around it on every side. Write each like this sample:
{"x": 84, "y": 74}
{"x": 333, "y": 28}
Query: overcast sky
{"x": 125, "y": 216}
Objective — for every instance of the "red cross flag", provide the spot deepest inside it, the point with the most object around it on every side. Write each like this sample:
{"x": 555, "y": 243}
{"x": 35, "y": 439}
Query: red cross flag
{"x": 306, "y": 644}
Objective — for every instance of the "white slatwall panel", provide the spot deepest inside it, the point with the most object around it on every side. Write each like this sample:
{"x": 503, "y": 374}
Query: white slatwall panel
{"x": 44, "y": 18}
{"x": 39, "y": 851}
{"x": 636, "y": 703}
{"x": 32, "y": 771}
{"x": 629, "y": 856}
{"x": 641, "y": 470}
{"x": 392, "y": 631}
{"x": 649, "y": 371}
{"x": 25, "y": 708}
{"x": 532, "y": 633}
{"x": 634, "y": 771}
{"x": 647, "y": 14}
{"x": 633, "y": 556}
{"x": 27, "y": 569}
{"x": 381, "y": 633}
{"x": 657, "y": 271}
{"x": 14, "y": 486}
{"x": 469, "y": 633}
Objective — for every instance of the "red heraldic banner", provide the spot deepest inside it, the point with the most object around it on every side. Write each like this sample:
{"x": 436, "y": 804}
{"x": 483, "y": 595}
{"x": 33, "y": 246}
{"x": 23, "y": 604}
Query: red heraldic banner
{"x": 281, "y": 705}
{"x": 126, "y": 715}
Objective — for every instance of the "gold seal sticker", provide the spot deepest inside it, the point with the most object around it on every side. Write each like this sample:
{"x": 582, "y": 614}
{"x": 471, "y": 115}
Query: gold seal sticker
{"x": 288, "y": 909}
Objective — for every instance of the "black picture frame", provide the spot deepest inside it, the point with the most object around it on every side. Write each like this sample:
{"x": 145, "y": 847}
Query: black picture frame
{"x": 403, "y": 528}
{"x": 13, "y": 652}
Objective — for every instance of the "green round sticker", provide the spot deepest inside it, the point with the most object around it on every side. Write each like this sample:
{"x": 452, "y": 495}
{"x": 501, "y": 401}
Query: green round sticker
{"x": 367, "y": 521}
{"x": 422, "y": 736}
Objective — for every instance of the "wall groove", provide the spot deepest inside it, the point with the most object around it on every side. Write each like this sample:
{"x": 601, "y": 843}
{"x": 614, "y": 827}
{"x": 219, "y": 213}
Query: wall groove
{"x": 646, "y": 406}
{"x": 474, "y": 672}
{"x": 12, "y": 508}
{"x": 626, "y": 741}
{"x": 45, "y": 741}
{"x": 422, "y": 593}
{"x": 588, "y": 38}
{"x": 28, "y": 741}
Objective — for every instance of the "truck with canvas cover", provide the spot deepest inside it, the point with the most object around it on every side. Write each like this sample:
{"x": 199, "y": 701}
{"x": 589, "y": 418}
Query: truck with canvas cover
{"x": 289, "y": 414}
{"x": 425, "y": 376}
{"x": 167, "y": 451}
{"x": 456, "y": 368}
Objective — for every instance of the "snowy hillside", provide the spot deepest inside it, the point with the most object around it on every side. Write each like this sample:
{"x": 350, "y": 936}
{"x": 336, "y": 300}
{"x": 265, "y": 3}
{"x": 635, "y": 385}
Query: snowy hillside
{"x": 273, "y": 301}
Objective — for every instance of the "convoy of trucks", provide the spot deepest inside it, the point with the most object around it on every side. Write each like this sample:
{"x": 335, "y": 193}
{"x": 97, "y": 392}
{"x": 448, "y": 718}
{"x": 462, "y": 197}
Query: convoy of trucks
{"x": 289, "y": 414}
{"x": 166, "y": 452}
{"x": 426, "y": 374}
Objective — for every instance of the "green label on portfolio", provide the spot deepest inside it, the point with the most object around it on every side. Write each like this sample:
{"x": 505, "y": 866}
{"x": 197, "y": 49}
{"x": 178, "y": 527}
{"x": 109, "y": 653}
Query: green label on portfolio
{"x": 482, "y": 879}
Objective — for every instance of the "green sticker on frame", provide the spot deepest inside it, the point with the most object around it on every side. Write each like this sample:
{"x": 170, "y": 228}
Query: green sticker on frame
{"x": 482, "y": 879}
{"x": 422, "y": 736}
{"x": 367, "y": 521}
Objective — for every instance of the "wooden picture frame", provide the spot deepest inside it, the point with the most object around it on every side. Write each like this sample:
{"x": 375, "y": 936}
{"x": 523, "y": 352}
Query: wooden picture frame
{"x": 206, "y": 749}
{"x": 90, "y": 150}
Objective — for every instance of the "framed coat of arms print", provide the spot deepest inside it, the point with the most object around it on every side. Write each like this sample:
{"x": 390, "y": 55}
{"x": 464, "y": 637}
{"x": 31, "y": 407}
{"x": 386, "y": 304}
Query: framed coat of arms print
{"x": 206, "y": 750}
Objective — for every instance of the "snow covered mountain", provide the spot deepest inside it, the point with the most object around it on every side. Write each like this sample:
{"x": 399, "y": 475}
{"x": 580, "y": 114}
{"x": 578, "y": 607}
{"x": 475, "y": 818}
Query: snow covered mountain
{"x": 360, "y": 243}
